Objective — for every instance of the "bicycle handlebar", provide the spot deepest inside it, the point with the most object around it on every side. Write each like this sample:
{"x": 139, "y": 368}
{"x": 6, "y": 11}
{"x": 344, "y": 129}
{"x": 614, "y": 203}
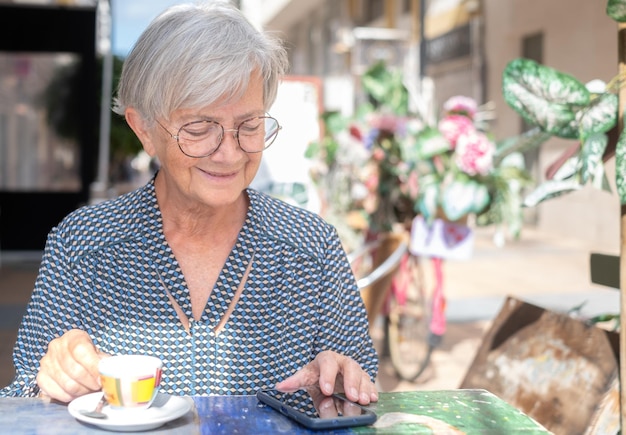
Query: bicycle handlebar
{"x": 383, "y": 268}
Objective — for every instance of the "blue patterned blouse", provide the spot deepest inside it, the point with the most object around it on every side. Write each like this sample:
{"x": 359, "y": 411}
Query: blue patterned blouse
{"x": 100, "y": 273}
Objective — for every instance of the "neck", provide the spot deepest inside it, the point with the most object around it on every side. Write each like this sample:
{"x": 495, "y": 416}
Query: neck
{"x": 199, "y": 220}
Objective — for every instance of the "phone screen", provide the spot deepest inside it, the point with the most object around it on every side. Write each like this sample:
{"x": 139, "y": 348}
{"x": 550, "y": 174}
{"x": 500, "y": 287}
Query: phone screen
{"x": 311, "y": 408}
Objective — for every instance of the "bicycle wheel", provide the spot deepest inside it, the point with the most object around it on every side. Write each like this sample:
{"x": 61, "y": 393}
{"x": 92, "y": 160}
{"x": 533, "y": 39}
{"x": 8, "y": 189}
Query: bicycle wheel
{"x": 408, "y": 321}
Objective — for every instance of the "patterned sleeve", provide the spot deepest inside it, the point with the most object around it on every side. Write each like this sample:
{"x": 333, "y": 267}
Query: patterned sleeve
{"x": 343, "y": 319}
{"x": 50, "y": 312}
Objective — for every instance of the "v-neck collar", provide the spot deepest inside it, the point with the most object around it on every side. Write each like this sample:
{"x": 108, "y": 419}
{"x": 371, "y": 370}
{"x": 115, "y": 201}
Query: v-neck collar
{"x": 231, "y": 275}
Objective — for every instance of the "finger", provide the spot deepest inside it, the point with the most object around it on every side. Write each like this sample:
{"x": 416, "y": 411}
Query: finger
{"x": 357, "y": 385}
{"x": 367, "y": 390}
{"x": 58, "y": 386}
{"x": 65, "y": 383}
{"x": 72, "y": 369}
{"x": 327, "y": 408}
{"x": 316, "y": 395}
{"x": 84, "y": 376}
{"x": 329, "y": 364}
{"x": 49, "y": 389}
{"x": 67, "y": 369}
{"x": 352, "y": 376}
{"x": 370, "y": 388}
{"x": 350, "y": 409}
{"x": 306, "y": 376}
{"x": 86, "y": 359}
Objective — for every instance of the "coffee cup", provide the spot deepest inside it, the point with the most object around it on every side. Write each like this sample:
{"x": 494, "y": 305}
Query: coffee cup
{"x": 130, "y": 381}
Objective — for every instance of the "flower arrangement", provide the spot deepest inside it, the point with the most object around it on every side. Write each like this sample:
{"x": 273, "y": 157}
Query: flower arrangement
{"x": 406, "y": 166}
{"x": 462, "y": 170}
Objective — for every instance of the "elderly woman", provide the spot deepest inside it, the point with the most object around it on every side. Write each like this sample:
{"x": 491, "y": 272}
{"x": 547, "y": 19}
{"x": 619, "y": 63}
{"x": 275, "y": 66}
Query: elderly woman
{"x": 232, "y": 289}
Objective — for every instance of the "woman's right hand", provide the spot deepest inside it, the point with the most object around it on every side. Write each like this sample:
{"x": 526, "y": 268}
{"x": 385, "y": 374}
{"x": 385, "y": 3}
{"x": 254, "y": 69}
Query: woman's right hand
{"x": 69, "y": 368}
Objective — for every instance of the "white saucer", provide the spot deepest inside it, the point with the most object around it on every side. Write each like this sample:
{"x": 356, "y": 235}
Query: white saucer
{"x": 164, "y": 408}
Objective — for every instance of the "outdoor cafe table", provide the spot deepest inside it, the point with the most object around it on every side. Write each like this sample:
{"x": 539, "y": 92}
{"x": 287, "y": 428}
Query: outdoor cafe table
{"x": 414, "y": 412}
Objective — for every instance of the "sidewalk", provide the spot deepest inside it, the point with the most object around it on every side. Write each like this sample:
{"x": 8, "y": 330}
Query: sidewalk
{"x": 547, "y": 271}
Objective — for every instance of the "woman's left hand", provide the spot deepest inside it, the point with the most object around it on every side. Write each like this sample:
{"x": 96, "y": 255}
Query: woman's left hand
{"x": 334, "y": 373}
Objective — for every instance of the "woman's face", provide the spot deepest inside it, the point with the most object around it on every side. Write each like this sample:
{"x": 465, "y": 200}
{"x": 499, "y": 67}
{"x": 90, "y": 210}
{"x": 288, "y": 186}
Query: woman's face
{"x": 219, "y": 179}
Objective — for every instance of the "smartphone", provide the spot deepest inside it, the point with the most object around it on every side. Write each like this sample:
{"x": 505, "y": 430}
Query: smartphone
{"x": 314, "y": 410}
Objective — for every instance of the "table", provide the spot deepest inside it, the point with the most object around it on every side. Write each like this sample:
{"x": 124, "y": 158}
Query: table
{"x": 471, "y": 411}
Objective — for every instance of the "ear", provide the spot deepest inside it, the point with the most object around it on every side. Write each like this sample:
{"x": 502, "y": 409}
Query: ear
{"x": 138, "y": 124}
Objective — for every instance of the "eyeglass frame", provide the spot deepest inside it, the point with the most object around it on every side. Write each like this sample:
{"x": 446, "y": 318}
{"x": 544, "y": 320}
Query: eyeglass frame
{"x": 224, "y": 131}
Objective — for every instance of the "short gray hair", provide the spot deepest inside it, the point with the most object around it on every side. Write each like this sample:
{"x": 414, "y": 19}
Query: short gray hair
{"x": 194, "y": 55}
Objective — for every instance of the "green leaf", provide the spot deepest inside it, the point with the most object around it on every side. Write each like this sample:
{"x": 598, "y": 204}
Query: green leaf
{"x": 527, "y": 141}
{"x": 599, "y": 117}
{"x": 464, "y": 196}
{"x": 600, "y": 181}
{"x": 334, "y": 121}
{"x": 569, "y": 169}
{"x": 551, "y": 189}
{"x": 429, "y": 198}
{"x": 616, "y": 9}
{"x": 385, "y": 86}
{"x": 544, "y": 96}
{"x": 591, "y": 154}
{"x": 428, "y": 143}
{"x": 620, "y": 167}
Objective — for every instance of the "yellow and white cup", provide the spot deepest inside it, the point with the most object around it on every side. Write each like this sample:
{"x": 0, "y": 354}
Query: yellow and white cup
{"x": 130, "y": 381}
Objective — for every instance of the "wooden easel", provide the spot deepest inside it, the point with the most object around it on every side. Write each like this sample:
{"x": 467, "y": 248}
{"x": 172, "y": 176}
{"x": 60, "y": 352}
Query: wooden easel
{"x": 621, "y": 45}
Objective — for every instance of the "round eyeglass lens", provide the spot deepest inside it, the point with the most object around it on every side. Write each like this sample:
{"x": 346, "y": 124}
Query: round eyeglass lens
{"x": 257, "y": 134}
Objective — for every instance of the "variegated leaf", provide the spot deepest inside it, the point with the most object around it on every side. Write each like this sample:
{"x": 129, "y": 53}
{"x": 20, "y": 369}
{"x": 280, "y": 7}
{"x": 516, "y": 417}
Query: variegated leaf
{"x": 464, "y": 196}
{"x": 428, "y": 200}
{"x": 544, "y": 96}
{"x": 551, "y": 189}
{"x": 386, "y": 87}
{"x": 428, "y": 143}
{"x": 620, "y": 167}
{"x": 616, "y": 9}
{"x": 591, "y": 156}
{"x": 527, "y": 141}
{"x": 600, "y": 181}
{"x": 568, "y": 169}
{"x": 599, "y": 117}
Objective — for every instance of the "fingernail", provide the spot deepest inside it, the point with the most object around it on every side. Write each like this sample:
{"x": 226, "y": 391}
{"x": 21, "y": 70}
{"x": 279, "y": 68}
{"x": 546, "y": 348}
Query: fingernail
{"x": 354, "y": 392}
{"x": 364, "y": 398}
{"x": 328, "y": 389}
{"x": 374, "y": 397}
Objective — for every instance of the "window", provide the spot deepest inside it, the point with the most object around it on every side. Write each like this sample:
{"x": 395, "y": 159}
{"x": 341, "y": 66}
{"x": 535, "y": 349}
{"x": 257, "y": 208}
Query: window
{"x": 39, "y": 148}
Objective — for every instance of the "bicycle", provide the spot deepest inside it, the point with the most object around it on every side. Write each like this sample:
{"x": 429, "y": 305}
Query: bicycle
{"x": 390, "y": 279}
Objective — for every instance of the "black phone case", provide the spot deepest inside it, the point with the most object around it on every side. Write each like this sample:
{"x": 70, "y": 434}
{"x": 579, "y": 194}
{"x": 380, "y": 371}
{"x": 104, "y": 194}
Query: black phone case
{"x": 369, "y": 417}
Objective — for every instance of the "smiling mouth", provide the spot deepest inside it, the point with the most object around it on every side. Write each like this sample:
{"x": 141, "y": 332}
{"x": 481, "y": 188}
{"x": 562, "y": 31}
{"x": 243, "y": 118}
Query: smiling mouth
{"x": 219, "y": 174}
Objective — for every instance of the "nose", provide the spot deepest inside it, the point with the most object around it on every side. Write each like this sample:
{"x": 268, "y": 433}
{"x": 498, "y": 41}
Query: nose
{"x": 235, "y": 135}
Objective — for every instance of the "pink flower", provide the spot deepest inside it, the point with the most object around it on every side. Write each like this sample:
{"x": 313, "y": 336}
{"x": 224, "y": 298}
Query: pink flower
{"x": 460, "y": 105}
{"x": 371, "y": 182}
{"x": 453, "y": 126}
{"x": 474, "y": 153}
{"x": 413, "y": 185}
{"x": 378, "y": 155}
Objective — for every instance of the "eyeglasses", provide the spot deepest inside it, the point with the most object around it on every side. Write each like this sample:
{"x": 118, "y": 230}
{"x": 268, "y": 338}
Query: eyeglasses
{"x": 199, "y": 139}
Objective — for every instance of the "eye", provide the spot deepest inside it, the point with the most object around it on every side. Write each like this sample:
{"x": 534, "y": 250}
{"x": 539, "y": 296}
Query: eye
{"x": 251, "y": 127}
{"x": 198, "y": 130}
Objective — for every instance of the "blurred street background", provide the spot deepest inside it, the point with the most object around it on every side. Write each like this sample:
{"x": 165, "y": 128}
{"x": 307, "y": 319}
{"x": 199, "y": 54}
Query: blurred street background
{"x": 371, "y": 83}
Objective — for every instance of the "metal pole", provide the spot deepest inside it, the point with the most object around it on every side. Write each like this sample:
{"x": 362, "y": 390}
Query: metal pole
{"x": 422, "y": 42}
